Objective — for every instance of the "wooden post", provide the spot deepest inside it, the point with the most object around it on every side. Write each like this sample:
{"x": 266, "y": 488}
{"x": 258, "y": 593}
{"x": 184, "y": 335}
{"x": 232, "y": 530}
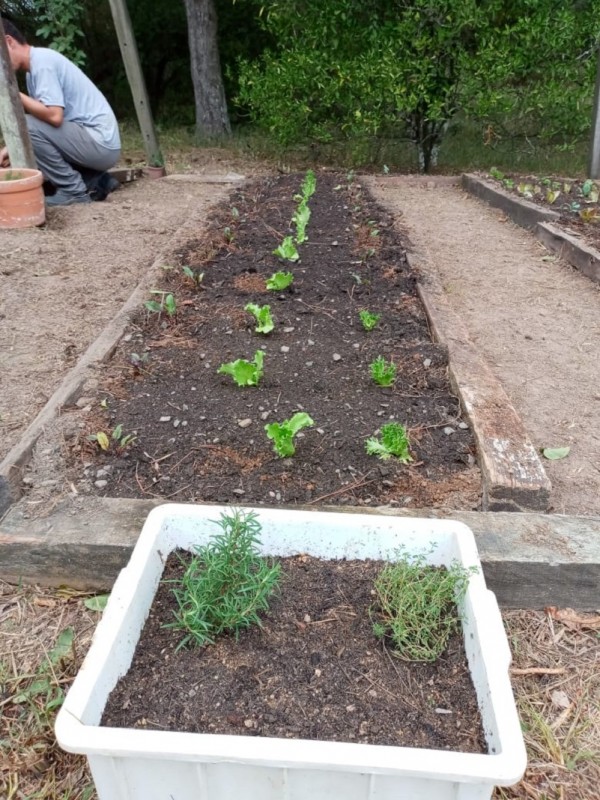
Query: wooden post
{"x": 12, "y": 115}
{"x": 594, "y": 161}
{"x": 135, "y": 76}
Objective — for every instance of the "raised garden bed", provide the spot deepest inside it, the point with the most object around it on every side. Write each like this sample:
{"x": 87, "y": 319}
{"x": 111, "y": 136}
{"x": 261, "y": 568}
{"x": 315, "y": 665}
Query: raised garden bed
{"x": 199, "y": 436}
{"x": 563, "y": 213}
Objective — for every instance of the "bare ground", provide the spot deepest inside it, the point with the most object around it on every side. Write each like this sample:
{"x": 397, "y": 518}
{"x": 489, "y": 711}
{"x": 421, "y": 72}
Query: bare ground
{"x": 60, "y": 284}
{"x": 556, "y": 680}
{"x": 535, "y": 320}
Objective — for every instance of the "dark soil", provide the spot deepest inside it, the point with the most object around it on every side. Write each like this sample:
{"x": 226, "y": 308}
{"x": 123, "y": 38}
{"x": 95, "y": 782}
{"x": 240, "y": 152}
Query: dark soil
{"x": 579, "y": 208}
{"x": 201, "y": 438}
{"x": 314, "y": 671}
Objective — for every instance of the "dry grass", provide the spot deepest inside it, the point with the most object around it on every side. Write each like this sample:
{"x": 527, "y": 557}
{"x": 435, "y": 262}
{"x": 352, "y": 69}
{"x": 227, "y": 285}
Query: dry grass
{"x": 559, "y": 703}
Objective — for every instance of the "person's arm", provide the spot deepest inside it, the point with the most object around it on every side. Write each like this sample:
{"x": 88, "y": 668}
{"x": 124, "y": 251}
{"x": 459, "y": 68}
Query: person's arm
{"x": 54, "y": 115}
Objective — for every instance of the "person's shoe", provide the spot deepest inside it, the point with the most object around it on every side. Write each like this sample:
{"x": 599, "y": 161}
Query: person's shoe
{"x": 102, "y": 185}
{"x": 62, "y": 198}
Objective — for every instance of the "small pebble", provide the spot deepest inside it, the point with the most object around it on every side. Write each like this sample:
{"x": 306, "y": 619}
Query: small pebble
{"x": 265, "y": 415}
{"x": 165, "y": 419}
{"x": 100, "y": 484}
{"x": 176, "y": 423}
{"x": 309, "y": 363}
{"x": 249, "y": 723}
{"x": 307, "y": 618}
{"x": 463, "y": 425}
{"x": 243, "y": 423}
{"x": 239, "y": 491}
{"x": 284, "y": 348}
{"x": 289, "y": 329}
{"x": 449, "y": 431}
{"x": 442, "y": 711}
{"x": 356, "y": 345}
{"x": 337, "y": 357}
{"x": 427, "y": 362}
{"x": 350, "y": 708}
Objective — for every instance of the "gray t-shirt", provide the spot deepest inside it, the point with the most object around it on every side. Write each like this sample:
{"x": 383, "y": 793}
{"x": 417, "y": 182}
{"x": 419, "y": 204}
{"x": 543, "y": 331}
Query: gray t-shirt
{"x": 56, "y": 81}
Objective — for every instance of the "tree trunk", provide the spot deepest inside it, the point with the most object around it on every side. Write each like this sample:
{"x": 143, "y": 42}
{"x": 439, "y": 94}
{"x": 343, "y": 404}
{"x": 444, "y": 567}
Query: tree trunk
{"x": 212, "y": 119}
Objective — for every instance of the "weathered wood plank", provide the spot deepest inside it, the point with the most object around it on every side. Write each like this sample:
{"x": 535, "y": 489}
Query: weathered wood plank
{"x": 580, "y": 255}
{"x": 512, "y": 473}
{"x": 135, "y": 76}
{"x": 126, "y": 175}
{"x": 529, "y": 560}
{"x": 520, "y": 211}
{"x": 12, "y": 115}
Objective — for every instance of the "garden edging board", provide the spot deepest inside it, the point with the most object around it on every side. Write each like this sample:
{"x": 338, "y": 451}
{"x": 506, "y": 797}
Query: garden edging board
{"x": 513, "y": 477}
{"x": 529, "y": 560}
{"x": 542, "y": 222}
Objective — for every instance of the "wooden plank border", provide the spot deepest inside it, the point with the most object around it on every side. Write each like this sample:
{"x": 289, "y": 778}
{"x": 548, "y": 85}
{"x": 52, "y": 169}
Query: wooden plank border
{"x": 529, "y": 560}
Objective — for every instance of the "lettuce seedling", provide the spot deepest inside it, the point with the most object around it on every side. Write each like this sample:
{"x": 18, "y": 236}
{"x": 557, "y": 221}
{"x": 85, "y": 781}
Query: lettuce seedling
{"x": 393, "y": 442}
{"x": 283, "y": 433}
{"x": 244, "y": 373}
{"x": 369, "y": 320}
{"x": 309, "y": 184}
{"x": 382, "y": 372}
{"x": 263, "y": 317}
{"x": 287, "y": 249}
{"x": 279, "y": 281}
{"x": 300, "y": 219}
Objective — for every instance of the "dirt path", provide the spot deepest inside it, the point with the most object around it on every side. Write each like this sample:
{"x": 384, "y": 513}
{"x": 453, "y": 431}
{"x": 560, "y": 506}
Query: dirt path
{"x": 60, "y": 284}
{"x": 536, "y": 320}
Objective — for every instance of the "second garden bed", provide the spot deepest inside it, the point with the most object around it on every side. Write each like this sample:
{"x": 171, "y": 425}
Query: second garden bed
{"x": 198, "y": 436}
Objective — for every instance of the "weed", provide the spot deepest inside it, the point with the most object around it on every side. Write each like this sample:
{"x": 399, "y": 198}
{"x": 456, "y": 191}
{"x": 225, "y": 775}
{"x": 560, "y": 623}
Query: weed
{"x": 369, "y": 320}
{"x": 116, "y": 440}
{"x": 282, "y": 434}
{"x": 138, "y": 361}
{"x": 383, "y": 372}
{"x": 196, "y": 278}
{"x": 416, "y": 606}
{"x": 244, "y": 373}
{"x": 226, "y": 584}
{"x": 167, "y": 303}
{"x": 394, "y": 442}
{"x": 263, "y": 317}
{"x": 279, "y": 281}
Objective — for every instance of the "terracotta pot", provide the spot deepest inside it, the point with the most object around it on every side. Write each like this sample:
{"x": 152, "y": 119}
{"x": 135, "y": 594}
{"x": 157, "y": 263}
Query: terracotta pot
{"x": 155, "y": 172}
{"x": 21, "y": 198}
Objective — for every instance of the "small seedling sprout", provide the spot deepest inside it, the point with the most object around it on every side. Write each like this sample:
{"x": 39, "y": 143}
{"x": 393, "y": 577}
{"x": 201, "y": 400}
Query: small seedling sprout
{"x": 282, "y": 433}
{"x": 393, "y": 442}
{"x": 369, "y": 320}
{"x": 262, "y": 315}
{"x": 383, "y": 372}
{"x": 279, "y": 281}
{"x": 244, "y": 373}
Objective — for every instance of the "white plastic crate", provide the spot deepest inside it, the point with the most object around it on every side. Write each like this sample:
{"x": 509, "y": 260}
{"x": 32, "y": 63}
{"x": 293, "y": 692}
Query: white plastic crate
{"x": 130, "y": 764}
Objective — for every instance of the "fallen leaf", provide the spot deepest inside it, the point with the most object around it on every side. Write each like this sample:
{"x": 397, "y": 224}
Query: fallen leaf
{"x": 555, "y": 453}
{"x": 560, "y": 699}
{"x": 572, "y": 619}
{"x": 45, "y": 602}
{"x": 97, "y": 603}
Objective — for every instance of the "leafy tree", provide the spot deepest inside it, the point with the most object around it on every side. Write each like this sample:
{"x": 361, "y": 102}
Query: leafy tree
{"x": 406, "y": 67}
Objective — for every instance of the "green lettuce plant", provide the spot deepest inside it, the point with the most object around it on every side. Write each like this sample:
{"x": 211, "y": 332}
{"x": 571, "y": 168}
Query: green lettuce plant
{"x": 287, "y": 250}
{"x": 393, "y": 442}
{"x": 383, "y": 372}
{"x": 282, "y": 433}
{"x": 369, "y": 320}
{"x": 279, "y": 281}
{"x": 244, "y": 373}
{"x": 263, "y": 317}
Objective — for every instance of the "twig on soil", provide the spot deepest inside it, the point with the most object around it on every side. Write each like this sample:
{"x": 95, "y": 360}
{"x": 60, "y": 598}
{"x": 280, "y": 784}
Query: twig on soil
{"x": 538, "y": 671}
{"x": 317, "y": 310}
{"x": 343, "y": 490}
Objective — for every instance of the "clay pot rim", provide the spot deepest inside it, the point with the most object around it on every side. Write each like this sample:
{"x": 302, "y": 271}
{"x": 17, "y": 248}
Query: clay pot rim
{"x": 32, "y": 178}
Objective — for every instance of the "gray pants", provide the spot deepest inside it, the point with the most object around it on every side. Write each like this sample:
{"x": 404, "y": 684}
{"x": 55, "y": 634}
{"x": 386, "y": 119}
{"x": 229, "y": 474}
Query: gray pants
{"x": 67, "y": 154}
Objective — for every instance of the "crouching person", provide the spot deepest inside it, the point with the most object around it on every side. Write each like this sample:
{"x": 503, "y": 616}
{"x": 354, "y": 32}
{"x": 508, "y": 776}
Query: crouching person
{"x": 73, "y": 130}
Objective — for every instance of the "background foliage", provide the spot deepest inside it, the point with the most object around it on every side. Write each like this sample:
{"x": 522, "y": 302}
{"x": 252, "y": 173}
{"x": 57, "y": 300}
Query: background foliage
{"x": 367, "y": 75}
